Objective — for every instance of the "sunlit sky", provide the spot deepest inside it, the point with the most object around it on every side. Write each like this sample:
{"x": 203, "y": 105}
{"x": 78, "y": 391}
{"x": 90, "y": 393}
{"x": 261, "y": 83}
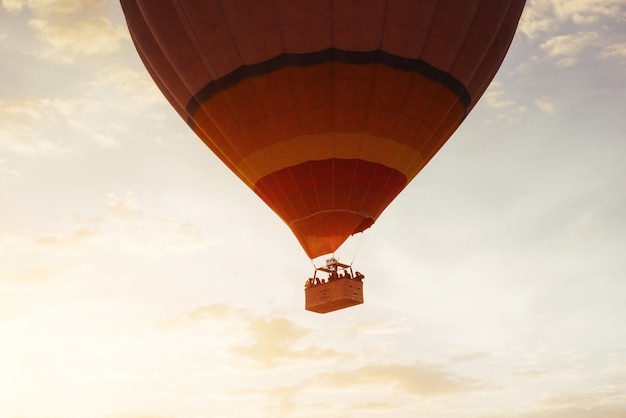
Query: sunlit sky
{"x": 139, "y": 278}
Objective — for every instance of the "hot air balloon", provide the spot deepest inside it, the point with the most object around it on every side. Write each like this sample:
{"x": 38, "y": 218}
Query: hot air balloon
{"x": 326, "y": 109}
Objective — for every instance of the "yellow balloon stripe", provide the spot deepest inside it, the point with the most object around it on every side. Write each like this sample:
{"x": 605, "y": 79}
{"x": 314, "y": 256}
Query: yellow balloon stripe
{"x": 269, "y": 122}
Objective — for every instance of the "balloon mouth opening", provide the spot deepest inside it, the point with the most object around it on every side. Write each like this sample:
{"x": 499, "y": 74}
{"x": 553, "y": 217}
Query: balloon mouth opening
{"x": 324, "y": 232}
{"x": 365, "y": 224}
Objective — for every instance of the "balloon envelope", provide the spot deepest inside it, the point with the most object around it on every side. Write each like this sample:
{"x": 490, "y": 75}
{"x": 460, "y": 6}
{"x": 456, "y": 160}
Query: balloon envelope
{"x": 326, "y": 108}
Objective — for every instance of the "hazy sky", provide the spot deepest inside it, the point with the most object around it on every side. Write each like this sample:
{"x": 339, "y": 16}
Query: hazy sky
{"x": 139, "y": 278}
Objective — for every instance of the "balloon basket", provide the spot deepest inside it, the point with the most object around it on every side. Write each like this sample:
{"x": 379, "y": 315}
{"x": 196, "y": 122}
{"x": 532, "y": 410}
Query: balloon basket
{"x": 332, "y": 296}
{"x": 341, "y": 289}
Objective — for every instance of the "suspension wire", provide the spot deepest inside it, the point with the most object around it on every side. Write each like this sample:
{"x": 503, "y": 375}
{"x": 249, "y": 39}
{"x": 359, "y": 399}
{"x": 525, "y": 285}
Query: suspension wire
{"x": 322, "y": 260}
{"x": 358, "y": 246}
{"x": 357, "y": 249}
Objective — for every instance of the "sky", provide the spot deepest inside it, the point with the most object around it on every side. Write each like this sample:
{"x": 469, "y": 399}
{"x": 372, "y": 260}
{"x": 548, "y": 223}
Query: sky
{"x": 139, "y": 278}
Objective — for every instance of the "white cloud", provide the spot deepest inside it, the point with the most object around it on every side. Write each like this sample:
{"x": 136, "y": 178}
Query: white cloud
{"x": 616, "y": 362}
{"x": 65, "y": 43}
{"x": 416, "y": 379}
{"x": 32, "y": 125}
{"x": 615, "y": 50}
{"x": 65, "y": 7}
{"x": 507, "y": 110}
{"x": 26, "y": 124}
{"x": 270, "y": 340}
{"x": 123, "y": 206}
{"x": 7, "y": 174}
{"x": 566, "y": 48}
{"x": 141, "y": 416}
{"x": 532, "y": 373}
{"x": 587, "y": 11}
{"x": 123, "y": 228}
{"x": 544, "y": 104}
{"x": 595, "y": 397}
{"x": 137, "y": 91}
{"x": 12, "y": 243}
{"x": 497, "y": 97}
{"x": 32, "y": 274}
{"x": 566, "y": 29}
{"x": 468, "y": 357}
{"x": 382, "y": 387}
{"x": 13, "y": 6}
{"x": 375, "y": 327}
{"x": 20, "y": 123}
{"x": 374, "y": 385}
{"x": 537, "y": 18}
{"x": 70, "y": 29}
{"x": 541, "y": 16}
{"x": 126, "y": 227}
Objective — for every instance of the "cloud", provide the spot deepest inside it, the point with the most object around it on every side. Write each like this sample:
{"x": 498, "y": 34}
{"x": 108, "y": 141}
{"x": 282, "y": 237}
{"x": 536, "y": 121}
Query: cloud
{"x": 273, "y": 340}
{"x": 139, "y": 415}
{"x": 56, "y": 9}
{"x": 466, "y": 357}
{"x": 12, "y": 243}
{"x": 20, "y": 120}
{"x": 122, "y": 231}
{"x": 531, "y": 373}
{"x": 562, "y": 354}
{"x": 616, "y": 363}
{"x": 546, "y": 16}
{"x": 127, "y": 228}
{"x": 20, "y": 261}
{"x": 7, "y": 174}
{"x": 272, "y": 331}
{"x": 497, "y": 97}
{"x": 587, "y": 11}
{"x": 507, "y": 110}
{"x": 69, "y": 29}
{"x": 216, "y": 311}
{"x": 544, "y": 104}
{"x": 569, "y": 32}
{"x": 13, "y": 6}
{"x": 375, "y": 327}
{"x": 601, "y": 402}
{"x": 125, "y": 205}
{"x": 373, "y": 406}
{"x": 560, "y": 363}
{"x": 617, "y": 50}
{"x": 40, "y": 125}
{"x": 380, "y": 387}
{"x": 65, "y": 43}
{"x": 135, "y": 91}
{"x": 570, "y": 412}
{"x": 27, "y": 124}
{"x": 418, "y": 379}
{"x": 52, "y": 8}
{"x": 123, "y": 228}
{"x": 582, "y": 412}
{"x": 599, "y": 396}
{"x": 567, "y": 48}
{"x": 536, "y": 19}
{"x": 30, "y": 275}
{"x": 598, "y": 402}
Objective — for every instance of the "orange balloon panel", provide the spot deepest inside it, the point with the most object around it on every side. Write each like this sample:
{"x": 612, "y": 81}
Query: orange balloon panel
{"x": 326, "y": 108}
